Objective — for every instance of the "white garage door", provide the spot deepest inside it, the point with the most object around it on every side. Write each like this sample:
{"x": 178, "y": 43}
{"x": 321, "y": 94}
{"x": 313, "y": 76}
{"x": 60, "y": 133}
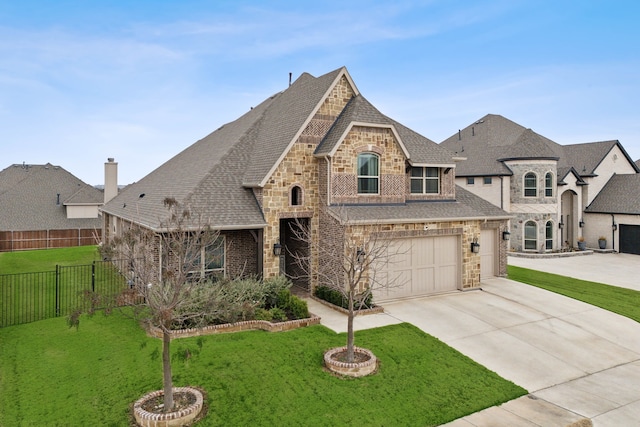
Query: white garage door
{"x": 487, "y": 254}
{"x": 419, "y": 266}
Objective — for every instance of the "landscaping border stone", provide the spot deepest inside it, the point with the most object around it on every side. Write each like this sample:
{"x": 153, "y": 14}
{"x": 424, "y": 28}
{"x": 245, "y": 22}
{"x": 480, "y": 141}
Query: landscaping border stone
{"x": 246, "y": 325}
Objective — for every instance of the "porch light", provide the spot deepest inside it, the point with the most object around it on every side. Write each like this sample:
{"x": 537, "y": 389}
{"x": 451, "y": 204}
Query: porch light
{"x": 277, "y": 249}
{"x": 360, "y": 255}
{"x": 475, "y": 246}
{"x": 506, "y": 235}
{"x": 614, "y": 226}
{"x": 561, "y": 225}
{"x": 581, "y": 223}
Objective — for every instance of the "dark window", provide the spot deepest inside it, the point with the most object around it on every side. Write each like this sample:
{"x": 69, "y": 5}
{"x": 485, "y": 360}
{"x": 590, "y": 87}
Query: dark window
{"x": 530, "y": 235}
{"x": 549, "y": 236}
{"x": 368, "y": 173}
{"x": 530, "y": 185}
{"x": 487, "y": 180}
{"x": 548, "y": 185}
{"x": 296, "y": 196}
{"x": 425, "y": 180}
{"x": 470, "y": 180}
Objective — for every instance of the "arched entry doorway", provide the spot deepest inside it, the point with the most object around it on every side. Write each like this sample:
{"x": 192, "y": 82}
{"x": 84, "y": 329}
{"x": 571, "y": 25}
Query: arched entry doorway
{"x": 569, "y": 218}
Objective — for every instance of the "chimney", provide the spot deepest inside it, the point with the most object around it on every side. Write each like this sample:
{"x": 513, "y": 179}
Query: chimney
{"x": 110, "y": 179}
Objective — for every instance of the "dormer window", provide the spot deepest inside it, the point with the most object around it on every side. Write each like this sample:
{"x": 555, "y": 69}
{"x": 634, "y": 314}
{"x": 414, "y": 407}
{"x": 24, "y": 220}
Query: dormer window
{"x": 368, "y": 173}
{"x": 425, "y": 180}
{"x": 530, "y": 185}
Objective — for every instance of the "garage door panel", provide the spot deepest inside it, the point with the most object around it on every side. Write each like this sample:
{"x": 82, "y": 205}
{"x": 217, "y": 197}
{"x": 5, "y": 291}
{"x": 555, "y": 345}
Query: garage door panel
{"x": 421, "y": 266}
{"x": 630, "y": 239}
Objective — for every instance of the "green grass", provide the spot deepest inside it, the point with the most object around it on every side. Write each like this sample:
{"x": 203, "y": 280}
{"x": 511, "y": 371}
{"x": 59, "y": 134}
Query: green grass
{"x": 28, "y": 282}
{"x": 52, "y": 375}
{"x": 46, "y": 259}
{"x": 623, "y": 301}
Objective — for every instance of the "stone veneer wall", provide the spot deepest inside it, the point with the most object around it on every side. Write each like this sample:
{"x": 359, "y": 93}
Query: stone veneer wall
{"x": 300, "y": 168}
{"x": 344, "y": 188}
{"x": 539, "y": 209}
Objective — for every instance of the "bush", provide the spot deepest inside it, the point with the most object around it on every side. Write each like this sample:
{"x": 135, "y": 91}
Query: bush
{"x": 336, "y": 298}
{"x": 278, "y": 314}
{"x": 272, "y": 288}
{"x": 299, "y": 308}
{"x": 262, "y": 314}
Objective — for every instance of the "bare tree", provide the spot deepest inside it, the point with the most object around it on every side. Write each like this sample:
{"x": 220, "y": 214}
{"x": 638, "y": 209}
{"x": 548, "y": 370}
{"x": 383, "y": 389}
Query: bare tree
{"x": 351, "y": 263}
{"x": 167, "y": 275}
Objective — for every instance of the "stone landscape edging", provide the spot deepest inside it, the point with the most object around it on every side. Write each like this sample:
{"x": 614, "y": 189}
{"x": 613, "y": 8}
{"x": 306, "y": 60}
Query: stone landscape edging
{"x": 246, "y": 325}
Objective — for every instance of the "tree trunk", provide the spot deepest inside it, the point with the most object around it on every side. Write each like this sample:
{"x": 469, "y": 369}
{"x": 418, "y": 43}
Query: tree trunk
{"x": 167, "y": 381}
{"x": 350, "y": 338}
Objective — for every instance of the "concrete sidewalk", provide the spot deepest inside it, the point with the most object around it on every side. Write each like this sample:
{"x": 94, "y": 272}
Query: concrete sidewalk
{"x": 576, "y": 360}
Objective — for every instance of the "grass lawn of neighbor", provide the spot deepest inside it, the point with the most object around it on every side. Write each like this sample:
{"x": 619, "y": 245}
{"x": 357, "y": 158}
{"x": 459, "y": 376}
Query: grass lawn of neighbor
{"x": 623, "y": 301}
{"x": 46, "y": 259}
{"x": 53, "y": 375}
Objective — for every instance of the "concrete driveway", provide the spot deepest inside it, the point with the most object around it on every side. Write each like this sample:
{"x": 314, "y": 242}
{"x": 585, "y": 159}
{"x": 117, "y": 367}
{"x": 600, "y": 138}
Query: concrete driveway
{"x": 576, "y": 360}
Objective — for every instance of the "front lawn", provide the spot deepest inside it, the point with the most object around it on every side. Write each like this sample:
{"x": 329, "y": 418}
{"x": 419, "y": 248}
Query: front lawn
{"x": 623, "y": 301}
{"x": 52, "y": 375}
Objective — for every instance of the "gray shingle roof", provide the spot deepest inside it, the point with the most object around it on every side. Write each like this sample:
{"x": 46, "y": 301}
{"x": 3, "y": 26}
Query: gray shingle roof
{"x": 213, "y": 174}
{"x": 618, "y": 196}
{"x": 586, "y": 157}
{"x": 494, "y": 138}
{"x": 466, "y": 205}
{"x": 29, "y": 198}
{"x": 421, "y": 150}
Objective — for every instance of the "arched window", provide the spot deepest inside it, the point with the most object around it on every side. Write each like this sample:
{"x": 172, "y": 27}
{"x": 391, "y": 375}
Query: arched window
{"x": 548, "y": 234}
{"x": 530, "y": 235}
{"x": 368, "y": 173}
{"x": 296, "y": 195}
{"x": 548, "y": 185}
{"x": 530, "y": 185}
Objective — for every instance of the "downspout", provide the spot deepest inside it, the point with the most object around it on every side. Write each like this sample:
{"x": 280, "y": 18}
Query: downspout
{"x": 613, "y": 232}
{"x": 502, "y": 192}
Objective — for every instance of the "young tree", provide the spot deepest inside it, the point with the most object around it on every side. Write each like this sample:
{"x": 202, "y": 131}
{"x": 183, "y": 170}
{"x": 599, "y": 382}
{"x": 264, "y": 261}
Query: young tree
{"x": 167, "y": 275}
{"x": 351, "y": 266}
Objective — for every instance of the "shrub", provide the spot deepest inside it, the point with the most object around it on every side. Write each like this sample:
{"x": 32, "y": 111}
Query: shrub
{"x": 299, "y": 308}
{"x": 278, "y": 314}
{"x": 336, "y": 298}
{"x": 262, "y": 314}
{"x": 272, "y": 288}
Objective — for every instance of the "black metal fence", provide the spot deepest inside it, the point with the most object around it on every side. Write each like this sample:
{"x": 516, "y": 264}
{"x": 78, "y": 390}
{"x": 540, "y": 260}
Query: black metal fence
{"x": 28, "y": 297}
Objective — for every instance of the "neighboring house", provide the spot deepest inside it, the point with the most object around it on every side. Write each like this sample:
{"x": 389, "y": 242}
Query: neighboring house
{"x": 320, "y": 153}
{"x": 616, "y": 212}
{"x": 544, "y": 185}
{"x": 44, "y": 206}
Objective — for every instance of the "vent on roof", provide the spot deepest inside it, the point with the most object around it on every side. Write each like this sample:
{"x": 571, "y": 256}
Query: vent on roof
{"x": 290, "y": 75}
{"x": 58, "y": 199}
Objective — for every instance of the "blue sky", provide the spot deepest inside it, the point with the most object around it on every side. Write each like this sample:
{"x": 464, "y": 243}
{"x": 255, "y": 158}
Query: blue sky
{"x": 81, "y": 81}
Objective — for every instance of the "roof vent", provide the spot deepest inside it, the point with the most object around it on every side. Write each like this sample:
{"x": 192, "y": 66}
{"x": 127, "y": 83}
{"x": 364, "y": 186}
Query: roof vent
{"x": 290, "y": 75}
{"x": 58, "y": 199}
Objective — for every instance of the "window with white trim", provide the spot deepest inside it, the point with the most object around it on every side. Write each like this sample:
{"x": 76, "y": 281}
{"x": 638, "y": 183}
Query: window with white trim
{"x": 425, "y": 180}
{"x": 530, "y": 185}
{"x": 368, "y": 173}
{"x": 548, "y": 242}
{"x": 487, "y": 180}
{"x": 548, "y": 185}
{"x": 211, "y": 261}
{"x": 530, "y": 235}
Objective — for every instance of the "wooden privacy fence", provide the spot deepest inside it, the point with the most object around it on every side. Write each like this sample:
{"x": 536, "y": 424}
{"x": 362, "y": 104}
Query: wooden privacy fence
{"x": 28, "y": 297}
{"x": 45, "y": 239}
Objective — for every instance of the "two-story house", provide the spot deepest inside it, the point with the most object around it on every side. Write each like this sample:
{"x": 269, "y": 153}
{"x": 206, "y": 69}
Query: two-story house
{"x": 547, "y": 187}
{"x": 320, "y": 153}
